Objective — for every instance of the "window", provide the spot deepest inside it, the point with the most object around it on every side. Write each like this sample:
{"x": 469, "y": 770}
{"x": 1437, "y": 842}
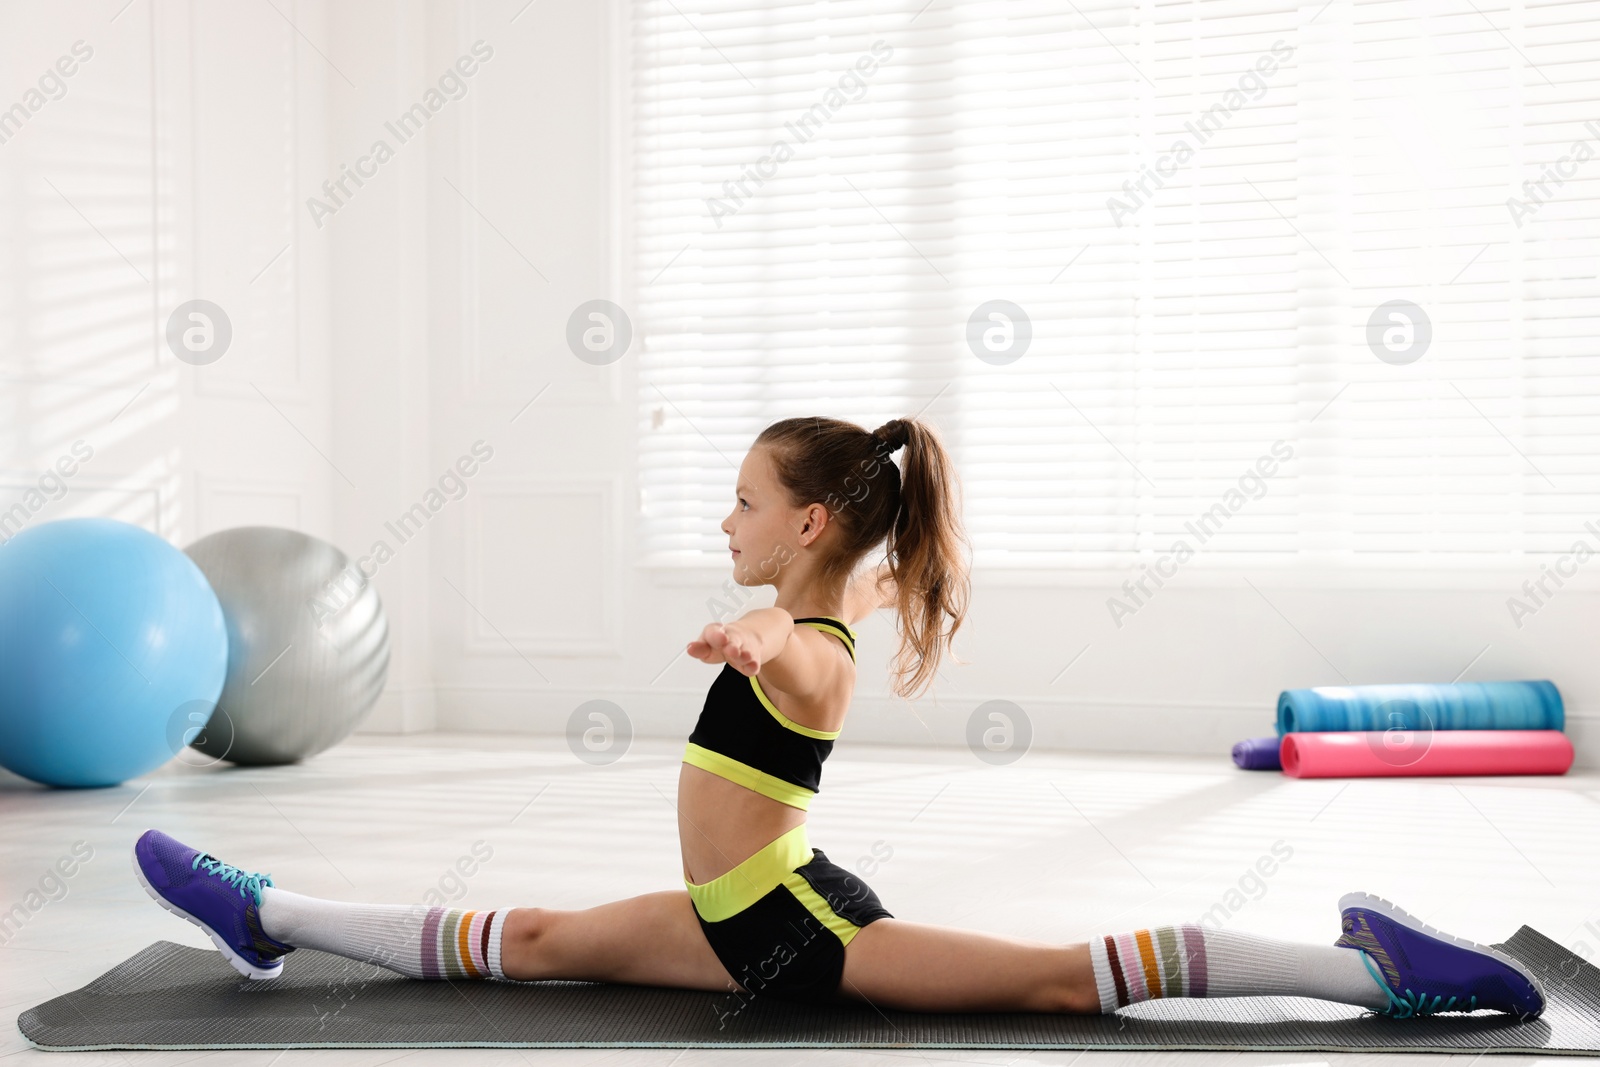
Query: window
{"x": 1291, "y": 301}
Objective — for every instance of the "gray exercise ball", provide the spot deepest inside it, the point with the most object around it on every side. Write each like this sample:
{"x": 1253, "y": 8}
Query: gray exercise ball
{"x": 308, "y": 644}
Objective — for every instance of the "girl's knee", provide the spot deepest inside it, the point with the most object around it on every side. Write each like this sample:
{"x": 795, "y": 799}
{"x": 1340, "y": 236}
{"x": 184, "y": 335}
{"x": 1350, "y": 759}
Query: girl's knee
{"x": 520, "y": 939}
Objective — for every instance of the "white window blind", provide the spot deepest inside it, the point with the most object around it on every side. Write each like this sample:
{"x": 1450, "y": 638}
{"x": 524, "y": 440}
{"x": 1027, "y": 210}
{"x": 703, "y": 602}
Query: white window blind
{"x": 1198, "y": 205}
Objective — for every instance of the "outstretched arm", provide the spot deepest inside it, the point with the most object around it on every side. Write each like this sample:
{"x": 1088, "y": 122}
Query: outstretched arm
{"x": 765, "y": 641}
{"x": 749, "y": 642}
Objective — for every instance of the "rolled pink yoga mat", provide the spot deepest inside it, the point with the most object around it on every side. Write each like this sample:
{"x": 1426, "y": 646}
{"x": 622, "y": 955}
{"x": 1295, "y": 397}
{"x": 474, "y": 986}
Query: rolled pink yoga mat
{"x": 1405, "y": 753}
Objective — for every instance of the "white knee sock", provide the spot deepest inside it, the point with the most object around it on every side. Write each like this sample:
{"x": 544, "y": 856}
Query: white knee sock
{"x": 1189, "y": 960}
{"x": 414, "y": 939}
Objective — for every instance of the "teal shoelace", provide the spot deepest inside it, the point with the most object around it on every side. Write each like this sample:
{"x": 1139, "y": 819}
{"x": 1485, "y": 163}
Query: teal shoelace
{"x": 232, "y": 875}
{"x": 1415, "y": 1003}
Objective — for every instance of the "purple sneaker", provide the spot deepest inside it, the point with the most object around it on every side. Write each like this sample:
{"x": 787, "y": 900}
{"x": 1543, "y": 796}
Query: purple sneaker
{"x": 219, "y": 899}
{"x": 1426, "y": 970}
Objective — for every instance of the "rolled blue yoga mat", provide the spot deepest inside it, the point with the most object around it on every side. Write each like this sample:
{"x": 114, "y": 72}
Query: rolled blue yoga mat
{"x": 1453, "y": 706}
{"x": 1258, "y": 754}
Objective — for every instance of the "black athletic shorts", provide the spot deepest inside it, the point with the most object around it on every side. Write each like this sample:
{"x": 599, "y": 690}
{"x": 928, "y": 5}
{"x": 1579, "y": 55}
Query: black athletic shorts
{"x": 780, "y": 927}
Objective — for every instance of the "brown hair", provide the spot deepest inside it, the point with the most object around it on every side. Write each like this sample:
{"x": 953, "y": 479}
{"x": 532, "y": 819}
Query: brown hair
{"x": 848, "y": 470}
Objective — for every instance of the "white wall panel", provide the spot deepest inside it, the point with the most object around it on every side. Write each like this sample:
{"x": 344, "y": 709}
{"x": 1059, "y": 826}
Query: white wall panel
{"x": 77, "y": 181}
{"x": 542, "y": 569}
{"x": 530, "y": 203}
{"x": 243, "y": 114}
{"x": 227, "y": 503}
{"x": 130, "y": 502}
{"x": 168, "y": 168}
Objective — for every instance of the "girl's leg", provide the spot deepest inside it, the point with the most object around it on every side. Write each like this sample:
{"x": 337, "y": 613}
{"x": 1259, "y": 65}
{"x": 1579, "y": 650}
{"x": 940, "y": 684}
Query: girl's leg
{"x": 653, "y": 939}
{"x": 912, "y": 966}
{"x": 917, "y": 967}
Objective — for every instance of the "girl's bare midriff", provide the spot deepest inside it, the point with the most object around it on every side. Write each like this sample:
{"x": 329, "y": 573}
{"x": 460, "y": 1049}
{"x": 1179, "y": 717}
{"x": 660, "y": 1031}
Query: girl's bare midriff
{"x": 721, "y": 823}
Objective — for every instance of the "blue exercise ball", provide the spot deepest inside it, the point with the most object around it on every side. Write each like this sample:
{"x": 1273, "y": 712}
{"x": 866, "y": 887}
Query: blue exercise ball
{"x": 113, "y": 652}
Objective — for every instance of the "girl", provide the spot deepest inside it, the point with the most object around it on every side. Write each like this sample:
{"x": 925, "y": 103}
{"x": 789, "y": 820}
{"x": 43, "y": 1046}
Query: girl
{"x": 761, "y": 912}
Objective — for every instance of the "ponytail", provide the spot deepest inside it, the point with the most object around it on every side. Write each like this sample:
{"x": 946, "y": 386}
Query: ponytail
{"x": 931, "y": 576}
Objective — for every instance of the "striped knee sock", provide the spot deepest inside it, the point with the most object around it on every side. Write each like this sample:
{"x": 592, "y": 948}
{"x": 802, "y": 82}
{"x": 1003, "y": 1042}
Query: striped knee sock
{"x": 1188, "y": 960}
{"x": 413, "y": 939}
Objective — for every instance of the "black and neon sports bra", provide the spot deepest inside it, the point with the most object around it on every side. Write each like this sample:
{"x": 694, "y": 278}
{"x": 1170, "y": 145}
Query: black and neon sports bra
{"x": 743, "y": 737}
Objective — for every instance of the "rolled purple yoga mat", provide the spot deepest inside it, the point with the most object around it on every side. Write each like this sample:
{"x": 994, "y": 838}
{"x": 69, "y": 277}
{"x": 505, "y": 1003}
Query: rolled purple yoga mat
{"x": 1258, "y": 754}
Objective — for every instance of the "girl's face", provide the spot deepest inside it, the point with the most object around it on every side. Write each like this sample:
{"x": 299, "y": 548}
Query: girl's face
{"x": 763, "y": 529}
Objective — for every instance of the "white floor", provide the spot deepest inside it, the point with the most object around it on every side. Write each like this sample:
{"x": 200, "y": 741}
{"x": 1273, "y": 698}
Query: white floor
{"x": 1058, "y": 847}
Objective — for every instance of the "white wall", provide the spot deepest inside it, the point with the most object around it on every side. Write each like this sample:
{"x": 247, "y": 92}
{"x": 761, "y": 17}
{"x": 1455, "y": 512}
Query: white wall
{"x": 1196, "y": 670}
{"x": 381, "y": 293}
{"x": 169, "y": 169}
{"x": 428, "y": 311}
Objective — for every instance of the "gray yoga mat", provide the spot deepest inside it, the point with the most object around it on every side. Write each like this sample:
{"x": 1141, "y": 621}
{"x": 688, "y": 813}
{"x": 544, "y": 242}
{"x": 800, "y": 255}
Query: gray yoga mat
{"x": 172, "y": 997}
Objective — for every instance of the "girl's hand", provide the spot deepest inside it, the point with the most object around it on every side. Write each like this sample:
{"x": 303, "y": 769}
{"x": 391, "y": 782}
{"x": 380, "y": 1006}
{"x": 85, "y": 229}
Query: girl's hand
{"x": 727, "y": 643}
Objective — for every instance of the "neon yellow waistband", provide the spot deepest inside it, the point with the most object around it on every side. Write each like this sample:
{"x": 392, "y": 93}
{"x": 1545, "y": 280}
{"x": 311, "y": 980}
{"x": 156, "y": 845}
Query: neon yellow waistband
{"x": 731, "y": 893}
{"x": 796, "y": 796}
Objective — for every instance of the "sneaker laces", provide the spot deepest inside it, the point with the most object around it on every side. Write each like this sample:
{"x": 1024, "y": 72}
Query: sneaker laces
{"x": 1415, "y": 1003}
{"x": 232, "y": 875}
